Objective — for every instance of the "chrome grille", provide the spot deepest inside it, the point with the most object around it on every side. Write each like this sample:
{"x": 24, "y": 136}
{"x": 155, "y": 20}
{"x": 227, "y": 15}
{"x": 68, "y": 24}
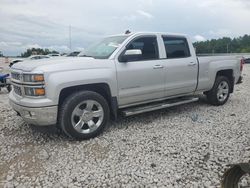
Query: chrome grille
{"x": 16, "y": 76}
{"x": 17, "y": 90}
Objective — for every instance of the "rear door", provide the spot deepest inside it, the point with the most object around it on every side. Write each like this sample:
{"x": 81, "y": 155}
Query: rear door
{"x": 141, "y": 79}
{"x": 181, "y": 66}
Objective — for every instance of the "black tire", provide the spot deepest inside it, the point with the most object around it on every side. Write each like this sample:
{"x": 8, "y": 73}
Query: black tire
{"x": 232, "y": 177}
{"x": 212, "y": 94}
{"x": 9, "y": 88}
{"x": 67, "y": 108}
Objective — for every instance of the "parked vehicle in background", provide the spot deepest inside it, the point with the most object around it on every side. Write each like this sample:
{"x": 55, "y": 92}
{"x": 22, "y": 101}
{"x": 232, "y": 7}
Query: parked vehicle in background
{"x": 73, "y": 54}
{"x": 33, "y": 57}
{"x": 122, "y": 74}
{"x": 15, "y": 61}
{"x": 36, "y": 57}
{"x": 54, "y": 55}
{"x": 4, "y": 80}
{"x": 64, "y": 54}
{"x": 247, "y": 60}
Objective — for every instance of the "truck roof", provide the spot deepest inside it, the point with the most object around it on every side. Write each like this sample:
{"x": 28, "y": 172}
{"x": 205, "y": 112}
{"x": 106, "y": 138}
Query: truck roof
{"x": 151, "y": 33}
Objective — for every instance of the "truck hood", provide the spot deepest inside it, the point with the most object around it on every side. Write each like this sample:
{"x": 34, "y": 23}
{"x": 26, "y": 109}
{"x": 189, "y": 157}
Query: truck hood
{"x": 61, "y": 64}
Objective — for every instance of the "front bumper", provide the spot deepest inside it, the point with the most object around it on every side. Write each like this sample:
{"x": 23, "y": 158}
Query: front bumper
{"x": 42, "y": 116}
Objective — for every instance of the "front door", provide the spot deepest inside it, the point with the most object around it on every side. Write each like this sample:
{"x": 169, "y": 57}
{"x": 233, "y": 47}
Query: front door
{"x": 141, "y": 79}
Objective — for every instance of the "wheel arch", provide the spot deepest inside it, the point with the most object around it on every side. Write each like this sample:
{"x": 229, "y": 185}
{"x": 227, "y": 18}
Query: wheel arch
{"x": 230, "y": 75}
{"x": 100, "y": 88}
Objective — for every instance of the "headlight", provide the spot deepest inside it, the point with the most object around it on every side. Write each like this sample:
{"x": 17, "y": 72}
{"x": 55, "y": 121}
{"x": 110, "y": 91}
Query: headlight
{"x": 33, "y": 78}
{"x": 30, "y": 91}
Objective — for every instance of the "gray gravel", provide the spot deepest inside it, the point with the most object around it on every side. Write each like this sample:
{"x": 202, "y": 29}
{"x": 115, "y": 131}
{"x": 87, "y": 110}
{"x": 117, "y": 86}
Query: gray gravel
{"x": 185, "y": 146}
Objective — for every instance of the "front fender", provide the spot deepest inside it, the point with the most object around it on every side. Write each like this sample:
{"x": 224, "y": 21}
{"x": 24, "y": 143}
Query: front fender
{"x": 57, "y": 81}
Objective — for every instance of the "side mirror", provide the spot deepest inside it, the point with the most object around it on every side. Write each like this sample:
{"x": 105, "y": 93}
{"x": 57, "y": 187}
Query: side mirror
{"x": 133, "y": 52}
{"x": 131, "y": 55}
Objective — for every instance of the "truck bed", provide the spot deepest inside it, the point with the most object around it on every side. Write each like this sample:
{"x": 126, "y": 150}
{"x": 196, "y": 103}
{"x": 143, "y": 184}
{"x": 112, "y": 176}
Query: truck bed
{"x": 207, "y": 58}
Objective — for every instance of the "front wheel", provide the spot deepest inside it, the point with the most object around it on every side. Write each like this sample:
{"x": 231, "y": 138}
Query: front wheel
{"x": 83, "y": 115}
{"x": 220, "y": 92}
{"x": 9, "y": 88}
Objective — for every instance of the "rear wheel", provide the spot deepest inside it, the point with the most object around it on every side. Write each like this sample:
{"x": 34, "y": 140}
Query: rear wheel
{"x": 84, "y": 115}
{"x": 220, "y": 92}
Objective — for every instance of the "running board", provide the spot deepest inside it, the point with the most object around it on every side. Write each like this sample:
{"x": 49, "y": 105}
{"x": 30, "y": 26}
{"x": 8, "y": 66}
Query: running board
{"x": 151, "y": 107}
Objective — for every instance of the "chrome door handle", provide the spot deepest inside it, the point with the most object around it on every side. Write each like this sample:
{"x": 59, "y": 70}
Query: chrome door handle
{"x": 192, "y": 64}
{"x": 158, "y": 67}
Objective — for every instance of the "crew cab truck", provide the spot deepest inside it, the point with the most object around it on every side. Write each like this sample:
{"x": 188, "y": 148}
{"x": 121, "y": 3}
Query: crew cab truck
{"x": 122, "y": 74}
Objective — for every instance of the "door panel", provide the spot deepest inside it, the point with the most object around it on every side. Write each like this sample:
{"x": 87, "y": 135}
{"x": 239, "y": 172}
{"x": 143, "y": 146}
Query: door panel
{"x": 181, "y": 66}
{"x": 140, "y": 81}
{"x": 143, "y": 78}
{"x": 181, "y": 76}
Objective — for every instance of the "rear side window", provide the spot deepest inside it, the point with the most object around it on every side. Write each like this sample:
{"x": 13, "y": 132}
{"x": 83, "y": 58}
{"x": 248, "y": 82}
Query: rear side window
{"x": 176, "y": 47}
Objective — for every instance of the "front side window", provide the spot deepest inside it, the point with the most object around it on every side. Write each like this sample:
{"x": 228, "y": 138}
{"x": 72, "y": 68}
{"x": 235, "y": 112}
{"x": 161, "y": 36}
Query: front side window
{"x": 104, "y": 48}
{"x": 176, "y": 47}
{"x": 148, "y": 47}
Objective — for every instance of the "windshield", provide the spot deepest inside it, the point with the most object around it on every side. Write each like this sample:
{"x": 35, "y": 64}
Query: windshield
{"x": 104, "y": 48}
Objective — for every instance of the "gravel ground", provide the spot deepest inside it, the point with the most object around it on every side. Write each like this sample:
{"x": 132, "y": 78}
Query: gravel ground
{"x": 186, "y": 146}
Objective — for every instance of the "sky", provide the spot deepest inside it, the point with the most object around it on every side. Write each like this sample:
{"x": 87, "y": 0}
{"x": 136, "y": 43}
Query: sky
{"x": 45, "y": 23}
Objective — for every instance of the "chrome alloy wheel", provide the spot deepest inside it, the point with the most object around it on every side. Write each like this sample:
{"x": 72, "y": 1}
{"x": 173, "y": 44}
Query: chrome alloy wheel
{"x": 87, "y": 116}
{"x": 222, "y": 91}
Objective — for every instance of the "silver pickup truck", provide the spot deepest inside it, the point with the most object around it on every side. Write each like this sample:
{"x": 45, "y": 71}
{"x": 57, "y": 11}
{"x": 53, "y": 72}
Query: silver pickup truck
{"x": 121, "y": 74}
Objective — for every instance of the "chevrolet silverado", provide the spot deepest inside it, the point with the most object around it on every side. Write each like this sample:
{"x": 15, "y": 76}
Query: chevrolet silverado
{"x": 122, "y": 74}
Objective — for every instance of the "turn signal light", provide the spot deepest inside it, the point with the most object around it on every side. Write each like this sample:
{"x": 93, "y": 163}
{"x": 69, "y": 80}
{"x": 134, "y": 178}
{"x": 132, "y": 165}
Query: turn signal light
{"x": 39, "y": 91}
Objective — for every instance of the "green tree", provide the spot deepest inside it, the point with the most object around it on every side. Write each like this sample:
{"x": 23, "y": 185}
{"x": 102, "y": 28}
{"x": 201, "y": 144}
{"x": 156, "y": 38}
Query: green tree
{"x": 37, "y": 51}
{"x": 224, "y": 45}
